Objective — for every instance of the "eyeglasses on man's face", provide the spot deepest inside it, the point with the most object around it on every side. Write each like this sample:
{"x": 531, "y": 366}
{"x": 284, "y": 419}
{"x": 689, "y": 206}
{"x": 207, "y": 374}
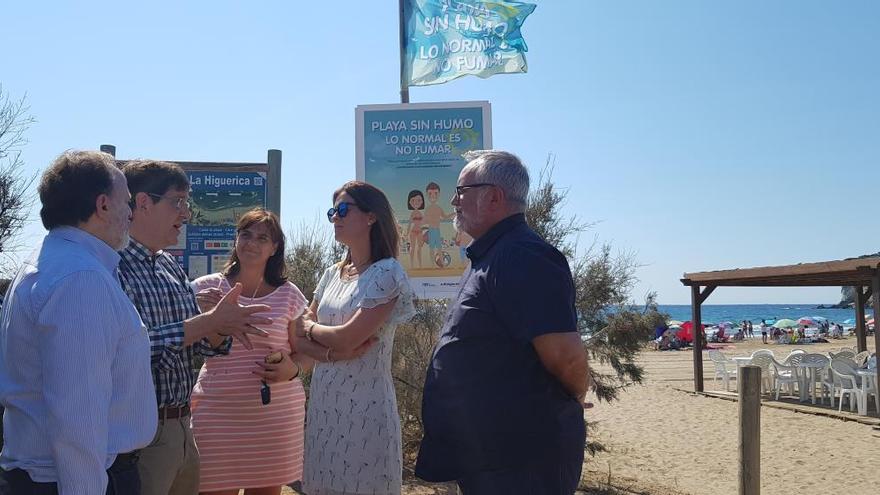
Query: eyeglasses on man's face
{"x": 179, "y": 202}
{"x": 459, "y": 190}
{"x": 341, "y": 210}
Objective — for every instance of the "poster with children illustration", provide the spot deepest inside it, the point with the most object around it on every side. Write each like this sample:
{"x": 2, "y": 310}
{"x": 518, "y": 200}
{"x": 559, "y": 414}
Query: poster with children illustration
{"x": 413, "y": 153}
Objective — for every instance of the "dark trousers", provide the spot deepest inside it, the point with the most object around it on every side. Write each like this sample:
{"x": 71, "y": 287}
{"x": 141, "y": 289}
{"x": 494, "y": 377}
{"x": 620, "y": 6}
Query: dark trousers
{"x": 122, "y": 479}
{"x": 534, "y": 479}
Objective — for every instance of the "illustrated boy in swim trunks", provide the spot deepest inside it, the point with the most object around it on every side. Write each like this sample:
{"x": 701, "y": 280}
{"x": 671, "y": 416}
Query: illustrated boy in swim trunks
{"x": 434, "y": 214}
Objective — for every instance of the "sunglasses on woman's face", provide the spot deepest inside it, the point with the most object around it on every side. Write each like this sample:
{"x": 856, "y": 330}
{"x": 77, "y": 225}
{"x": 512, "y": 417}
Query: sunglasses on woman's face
{"x": 341, "y": 210}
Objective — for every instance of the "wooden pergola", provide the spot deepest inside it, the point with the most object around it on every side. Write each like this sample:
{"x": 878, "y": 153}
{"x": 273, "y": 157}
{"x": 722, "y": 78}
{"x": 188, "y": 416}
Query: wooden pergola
{"x": 863, "y": 274}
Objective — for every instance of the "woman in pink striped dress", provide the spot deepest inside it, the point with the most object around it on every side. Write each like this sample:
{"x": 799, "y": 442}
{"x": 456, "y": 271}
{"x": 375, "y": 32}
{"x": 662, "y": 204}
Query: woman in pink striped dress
{"x": 243, "y": 441}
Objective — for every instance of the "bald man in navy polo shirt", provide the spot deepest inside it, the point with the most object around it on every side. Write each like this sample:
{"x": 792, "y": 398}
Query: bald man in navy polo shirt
{"x": 504, "y": 393}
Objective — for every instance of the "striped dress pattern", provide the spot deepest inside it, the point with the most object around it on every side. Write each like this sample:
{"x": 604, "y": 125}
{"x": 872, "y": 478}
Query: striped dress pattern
{"x": 243, "y": 443}
{"x": 353, "y": 428}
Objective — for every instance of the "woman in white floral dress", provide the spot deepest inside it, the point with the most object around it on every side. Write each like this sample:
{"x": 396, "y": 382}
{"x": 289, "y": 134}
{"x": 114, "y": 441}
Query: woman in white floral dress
{"x": 352, "y": 443}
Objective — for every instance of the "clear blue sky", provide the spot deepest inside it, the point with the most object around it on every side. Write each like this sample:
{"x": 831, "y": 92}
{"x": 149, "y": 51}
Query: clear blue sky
{"x": 701, "y": 135}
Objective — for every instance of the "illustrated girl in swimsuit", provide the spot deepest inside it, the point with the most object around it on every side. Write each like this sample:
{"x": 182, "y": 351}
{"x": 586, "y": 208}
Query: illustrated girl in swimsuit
{"x": 415, "y": 202}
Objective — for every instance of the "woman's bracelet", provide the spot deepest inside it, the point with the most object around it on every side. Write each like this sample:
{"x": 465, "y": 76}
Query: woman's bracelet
{"x": 327, "y": 357}
{"x": 308, "y": 331}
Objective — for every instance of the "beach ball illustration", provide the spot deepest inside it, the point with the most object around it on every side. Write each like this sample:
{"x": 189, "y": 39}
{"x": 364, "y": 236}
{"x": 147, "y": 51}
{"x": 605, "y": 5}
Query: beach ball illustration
{"x": 442, "y": 259}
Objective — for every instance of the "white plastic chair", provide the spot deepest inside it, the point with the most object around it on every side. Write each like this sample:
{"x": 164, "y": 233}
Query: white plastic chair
{"x": 864, "y": 392}
{"x": 793, "y": 352}
{"x": 786, "y": 374}
{"x": 831, "y": 383}
{"x": 872, "y": 390}
{"x": 844, "y": 353}
{"x": 818, "y": 359}
{"x": 724, "y": 368}
{"x": 764, "y": 360}
{"x": 849, "y": 383}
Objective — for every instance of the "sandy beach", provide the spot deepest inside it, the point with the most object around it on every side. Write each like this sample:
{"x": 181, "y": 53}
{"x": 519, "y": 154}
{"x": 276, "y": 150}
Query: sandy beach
{"x": 665, "y": 441}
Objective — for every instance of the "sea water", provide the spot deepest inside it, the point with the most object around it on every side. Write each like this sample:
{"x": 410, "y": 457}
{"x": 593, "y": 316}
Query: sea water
{"x": 716, "y": 313}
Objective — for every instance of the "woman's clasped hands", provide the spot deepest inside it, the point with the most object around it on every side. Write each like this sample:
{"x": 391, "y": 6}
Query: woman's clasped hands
{"x": 277, "y": 367}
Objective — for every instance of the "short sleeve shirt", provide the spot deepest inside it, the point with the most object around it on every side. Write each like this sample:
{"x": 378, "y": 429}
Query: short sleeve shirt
{"x": 489, "y": 403}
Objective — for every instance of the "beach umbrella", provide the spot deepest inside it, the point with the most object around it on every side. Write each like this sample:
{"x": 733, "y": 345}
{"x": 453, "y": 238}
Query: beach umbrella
{"x": 689, "y": 325}
{"x": 785, "y": 323}
{"x": 808, "y": 321}
{"x": 686, "y": 333}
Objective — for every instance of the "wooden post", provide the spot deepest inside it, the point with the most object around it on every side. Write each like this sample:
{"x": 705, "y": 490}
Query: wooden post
{"x": 696, "y": 320}
{"x": 749, "y": 430}
{"x": 109, "y": 149}
{"x": 861, "y": 331}
{"x": 697, "y": 298}
{"x": 273, "y": 192}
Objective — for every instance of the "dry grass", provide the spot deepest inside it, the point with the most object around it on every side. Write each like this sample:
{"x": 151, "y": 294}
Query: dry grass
{"x": 413, "y": 346}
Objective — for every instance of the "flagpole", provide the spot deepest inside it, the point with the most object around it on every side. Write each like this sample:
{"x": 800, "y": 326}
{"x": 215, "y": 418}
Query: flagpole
{"x": 404, "y": 85}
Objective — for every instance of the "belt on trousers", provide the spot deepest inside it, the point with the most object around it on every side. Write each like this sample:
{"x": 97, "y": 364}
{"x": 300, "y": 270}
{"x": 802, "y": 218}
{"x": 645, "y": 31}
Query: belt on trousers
{"x": 173, "y": 412}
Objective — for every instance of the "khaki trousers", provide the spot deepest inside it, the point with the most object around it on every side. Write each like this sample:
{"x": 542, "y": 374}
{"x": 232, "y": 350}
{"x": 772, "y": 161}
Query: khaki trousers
{"x": 170, "y": 464}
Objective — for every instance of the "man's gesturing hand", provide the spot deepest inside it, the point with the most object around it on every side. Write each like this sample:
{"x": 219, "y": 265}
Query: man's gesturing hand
{"x": 239, "y": 321}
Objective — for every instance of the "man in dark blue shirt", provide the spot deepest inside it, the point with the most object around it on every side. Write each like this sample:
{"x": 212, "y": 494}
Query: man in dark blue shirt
{"x": 504, "y": 391}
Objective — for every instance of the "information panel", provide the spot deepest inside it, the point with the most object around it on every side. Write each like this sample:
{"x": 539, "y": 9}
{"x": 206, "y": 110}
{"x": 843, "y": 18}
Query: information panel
{"x": 413, "y": 153}
{"x": 219, "y": 198}
{"x": 220, "y": 193}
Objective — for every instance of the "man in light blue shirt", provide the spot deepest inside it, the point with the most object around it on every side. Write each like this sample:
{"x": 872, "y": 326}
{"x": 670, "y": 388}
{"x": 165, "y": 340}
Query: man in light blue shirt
{"x": 74, "y": 355}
